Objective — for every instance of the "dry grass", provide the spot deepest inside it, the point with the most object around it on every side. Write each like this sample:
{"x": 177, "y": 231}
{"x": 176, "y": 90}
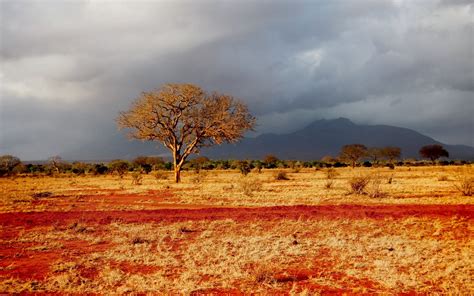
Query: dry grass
{"x": 408, "y": 185}
{"x": 413, "y": 254}
{"x": 358, "y": 183}
{"x": 284, "y": 255}
{"x": 465, "y": 184}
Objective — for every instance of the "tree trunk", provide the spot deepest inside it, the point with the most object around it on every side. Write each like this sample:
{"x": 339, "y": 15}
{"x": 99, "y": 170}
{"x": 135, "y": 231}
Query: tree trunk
{"x": 177, "y": 166}
{"x": 177, "y": 174}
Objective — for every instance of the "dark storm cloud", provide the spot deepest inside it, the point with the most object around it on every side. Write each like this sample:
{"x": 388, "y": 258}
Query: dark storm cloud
{"x": 68, "y": 67}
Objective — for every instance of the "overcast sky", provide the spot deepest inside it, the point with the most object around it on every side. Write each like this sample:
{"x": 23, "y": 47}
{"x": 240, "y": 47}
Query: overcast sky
{"x": 68, "y": 67}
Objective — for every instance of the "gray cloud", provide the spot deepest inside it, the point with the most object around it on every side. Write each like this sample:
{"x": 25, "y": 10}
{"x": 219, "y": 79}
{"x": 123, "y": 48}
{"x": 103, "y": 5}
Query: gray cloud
{"x": 68, "y": 67}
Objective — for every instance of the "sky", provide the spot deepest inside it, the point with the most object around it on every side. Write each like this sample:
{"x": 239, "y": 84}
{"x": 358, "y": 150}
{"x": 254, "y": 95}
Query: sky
{"x": 68, "y": 67}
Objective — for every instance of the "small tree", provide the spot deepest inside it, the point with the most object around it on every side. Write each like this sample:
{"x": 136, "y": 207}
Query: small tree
{"x": 56, "y": 163}
{"x": 244, "y": 167}
{"x": 199, "y": 163}
{"x": 118, "y": 166}
{"x": 375, "y": 154}
{"x": 270, "y": 161}
{"x": 433, "y": 152}
{"x": 8, "y": 163}
{"x": 391, "y": 153}
{"x": 185, "y": 119}
{"x": 148, "y": 163}
{"x": 353, "y": 153}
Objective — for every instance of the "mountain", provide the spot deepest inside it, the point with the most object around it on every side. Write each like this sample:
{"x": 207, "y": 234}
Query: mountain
{"x": 326, "y": 137}
{"x": 320, "y": 138}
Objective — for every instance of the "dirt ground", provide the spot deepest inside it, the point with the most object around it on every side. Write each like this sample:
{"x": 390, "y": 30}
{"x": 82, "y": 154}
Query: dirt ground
{"x": 221, "y": 233}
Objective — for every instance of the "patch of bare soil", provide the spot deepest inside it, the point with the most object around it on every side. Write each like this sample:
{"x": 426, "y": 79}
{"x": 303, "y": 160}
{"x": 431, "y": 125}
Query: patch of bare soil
{"x": 33, "y": 219}
{"x": 27, "y": 261}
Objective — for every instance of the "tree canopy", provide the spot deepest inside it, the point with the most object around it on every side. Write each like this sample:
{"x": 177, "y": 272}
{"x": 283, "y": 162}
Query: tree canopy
{"x": 433, "y": 152}
{"x": 185, "y": 119}
{"x": 353, "y": 153}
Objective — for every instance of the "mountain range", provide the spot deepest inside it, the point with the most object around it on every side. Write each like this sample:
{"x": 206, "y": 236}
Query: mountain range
{"x": 318, "y": 139}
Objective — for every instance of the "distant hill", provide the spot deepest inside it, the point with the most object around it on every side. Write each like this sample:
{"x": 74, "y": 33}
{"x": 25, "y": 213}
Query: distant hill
{"x": 326, "y": 137}
{"x": 320, "y": 138}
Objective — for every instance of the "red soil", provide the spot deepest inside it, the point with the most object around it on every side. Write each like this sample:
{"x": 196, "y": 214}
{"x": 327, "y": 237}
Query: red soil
{"x": 34, "y": 219}
{"x": 106, "y": 199}
{"x": 18, "y": 260}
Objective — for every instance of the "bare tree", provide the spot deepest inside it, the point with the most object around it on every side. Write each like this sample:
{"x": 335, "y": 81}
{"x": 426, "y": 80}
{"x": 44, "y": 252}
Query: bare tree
{"x": 353, "y": 153}
{"x": 185, "y": 119}
{"x": 56, "y": 162}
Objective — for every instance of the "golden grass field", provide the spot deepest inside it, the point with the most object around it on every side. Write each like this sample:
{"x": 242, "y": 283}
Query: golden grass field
{"x": 219, "y": 232}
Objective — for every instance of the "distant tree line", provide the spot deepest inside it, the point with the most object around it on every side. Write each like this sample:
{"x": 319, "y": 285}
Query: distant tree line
{"x": 350, "y": 155}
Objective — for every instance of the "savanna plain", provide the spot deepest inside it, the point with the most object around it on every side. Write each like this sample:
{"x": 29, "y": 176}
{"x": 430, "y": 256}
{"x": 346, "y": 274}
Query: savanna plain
{"x": 408, "y": 230}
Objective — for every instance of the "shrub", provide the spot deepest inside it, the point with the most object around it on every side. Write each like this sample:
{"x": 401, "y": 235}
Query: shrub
{"x": 375, "y": 188}
{"x": 160, "y": 175}
{"x": 331, "y": 173}
{"x": 99, "y": 169}
{"x": 329, "y": 183}
{"x": 119, "y": 166}
{"x": 249, "y": 186}
{"x": 79, "y": 168}
{"x": 390, "y": 179}
{"x": 443, "y": 178}
{"x": 281, "y": 175}
{"x": 148, "y": 163}
{"x": 244, "y": 167}
{"x": 294, "y": 165}
{"x": 137, "y": 178}
{"x": 7, "y": 163}
{"x": 42, "y": 194}
{"x": 358, "y": 184}
{"x": 270, "y": 161}
{"x": 367, "y": 164}
{"x": 465, "y": 185}
{"x": 199, "y": 177}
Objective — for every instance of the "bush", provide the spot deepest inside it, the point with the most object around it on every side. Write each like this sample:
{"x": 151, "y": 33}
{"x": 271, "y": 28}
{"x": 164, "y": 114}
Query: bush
{"x": 331, "y": 173}
{"x": 119, "y": 166}
{"x": 358, "y": 184}
{"x": 42, "y": 194}
{"x": 329, "y": 183}
{"x": 249, "y": 186}
{"x": 244, "y": 167}
{"x": 390, "y": 179}
{"x": 199, "y": 177}
{"x": 367, "y": 164}
{"x": 79, "y": 168}
{"x": 270, "y": 161}
{"x": 8, "y": 163}
{"x": 160, "y": 175}
{"x": 339, "y": 165}
{"x": 294, "y": 165}
{"x": 465, "y": 185}
{"x": 137, "y": 178}
{"x": 258, "y": 166}
{"x": 281, "y": 175}
{"x": 375, "y": 188}
{"x": 99, "y": 169}
{"x": 443, "y": 178}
